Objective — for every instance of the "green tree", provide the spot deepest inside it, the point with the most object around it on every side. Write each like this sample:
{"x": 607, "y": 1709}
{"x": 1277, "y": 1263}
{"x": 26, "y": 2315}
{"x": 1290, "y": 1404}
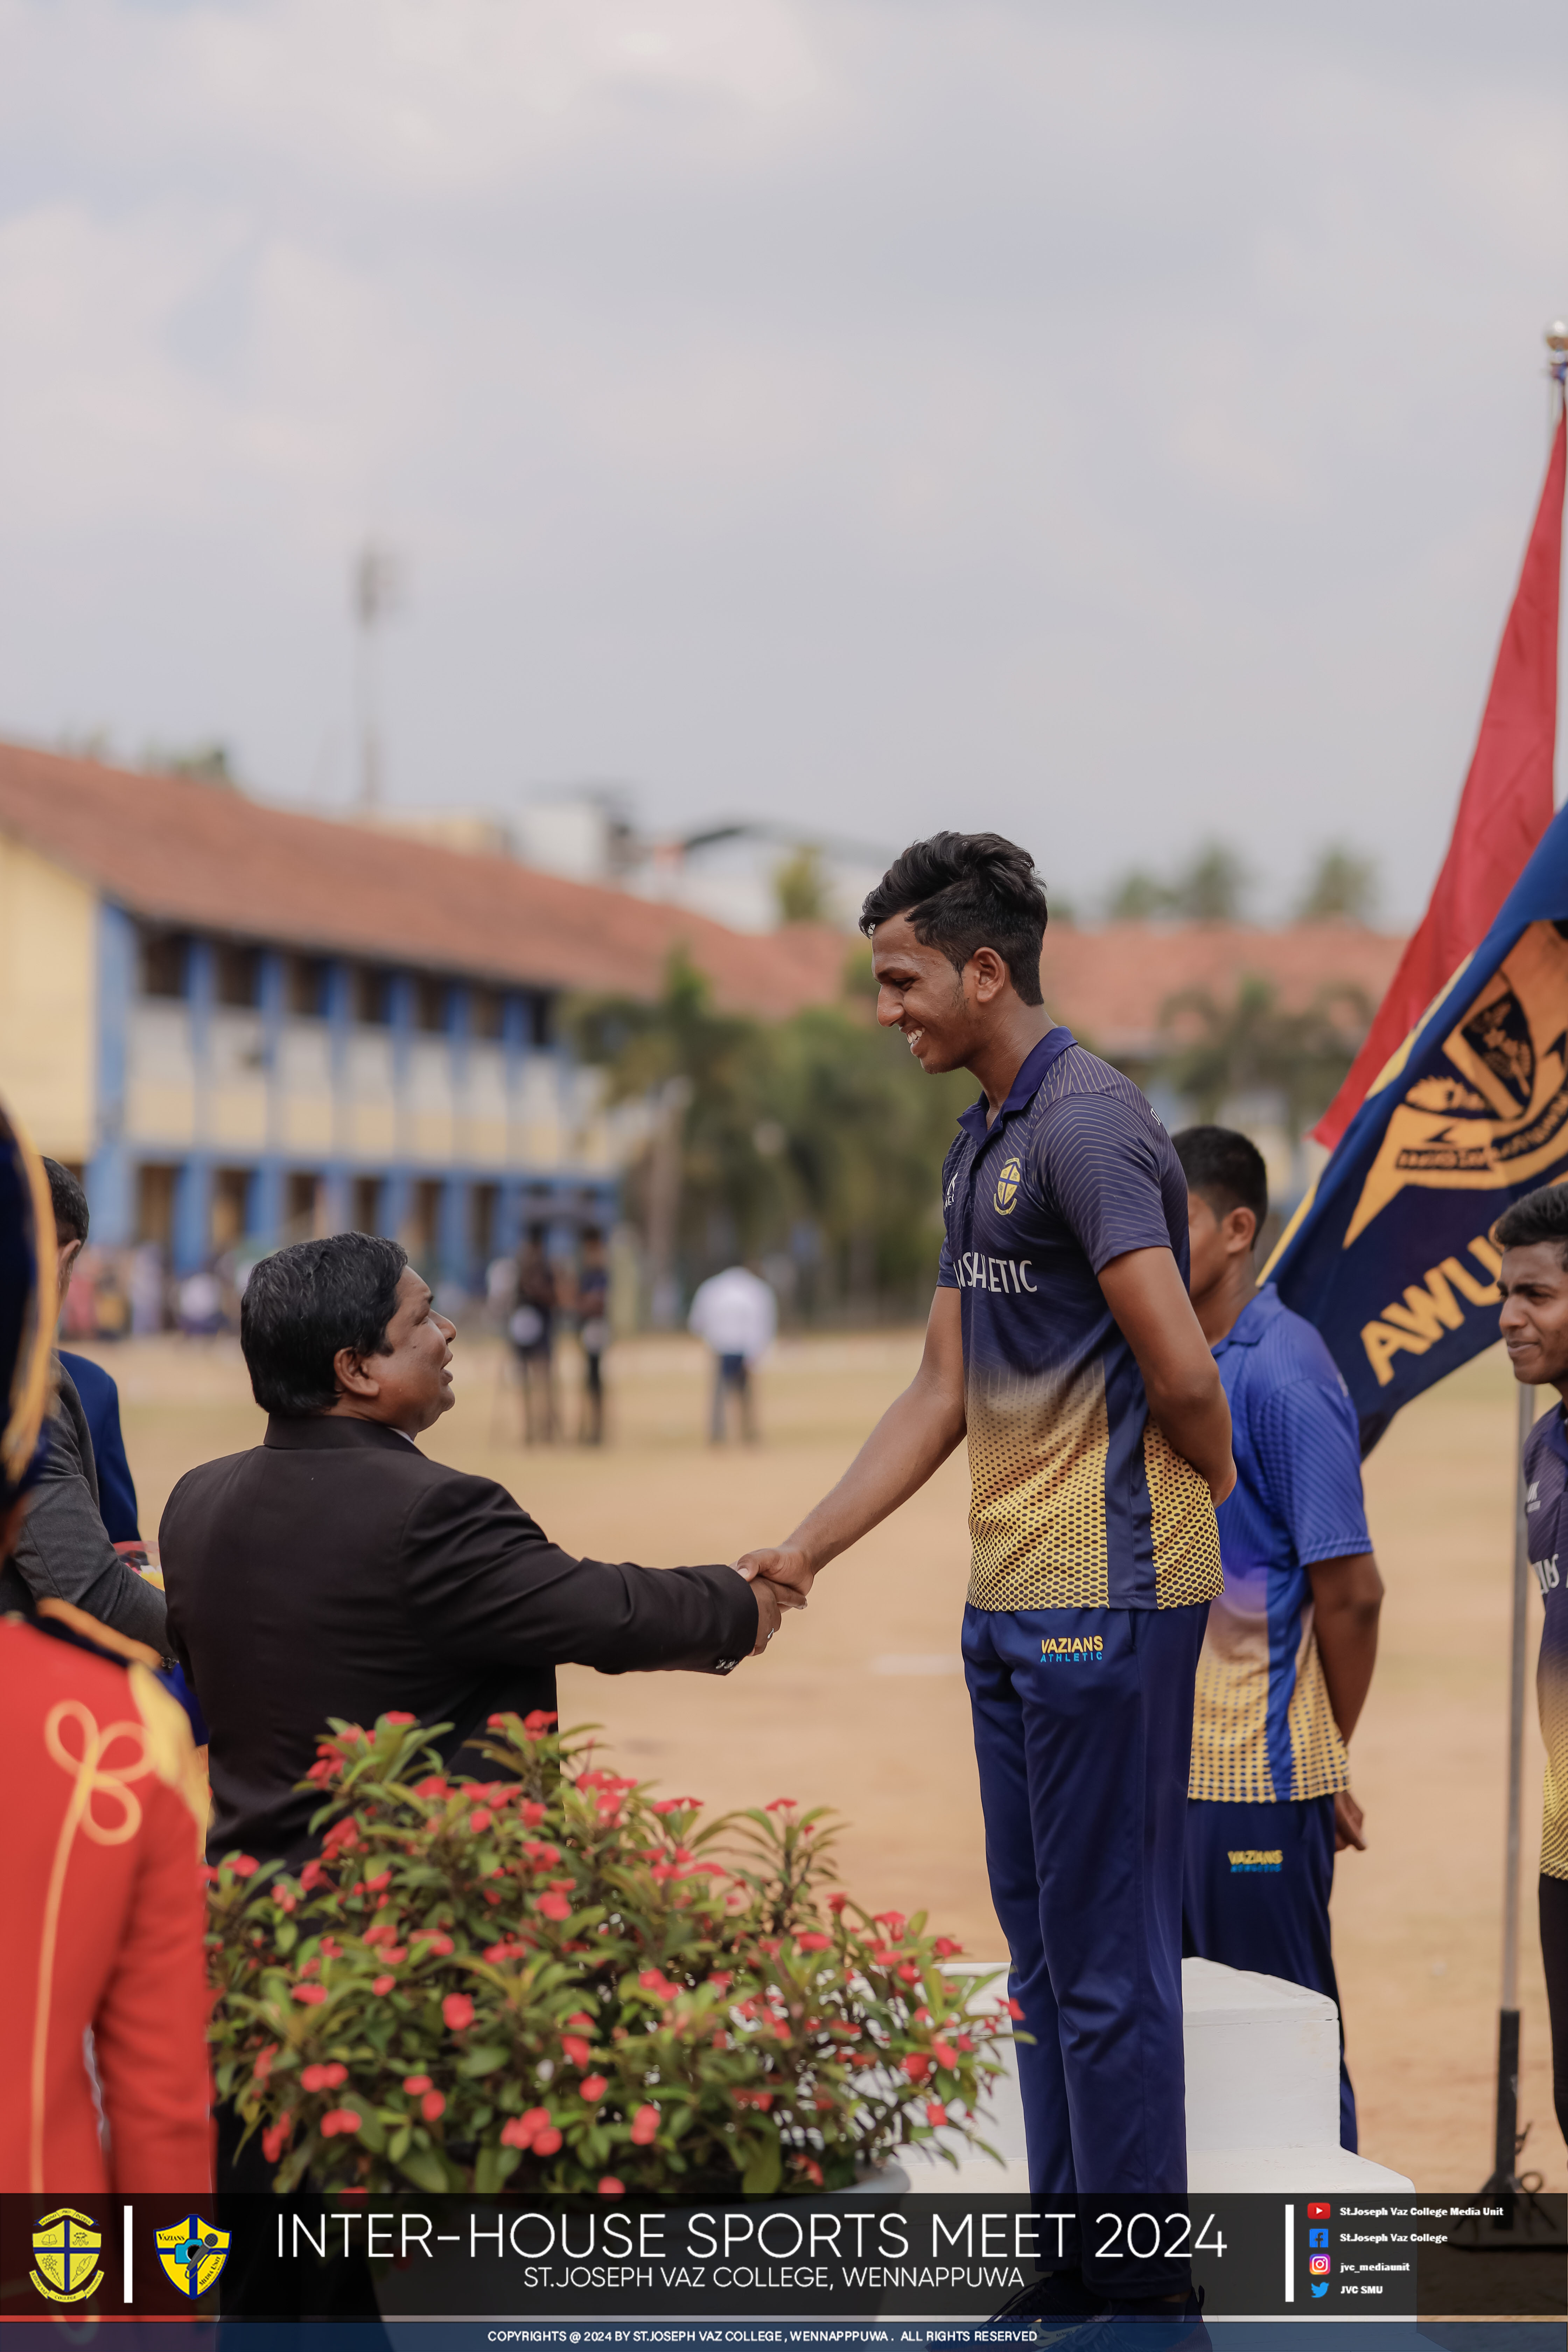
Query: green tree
{"x": 1139, "y": 898}
{"x": 1341, "y": 886}
{"x": 1214, "y": 1053}
{"x": 1213, "y": 886}
{"x": 803, "y": 892}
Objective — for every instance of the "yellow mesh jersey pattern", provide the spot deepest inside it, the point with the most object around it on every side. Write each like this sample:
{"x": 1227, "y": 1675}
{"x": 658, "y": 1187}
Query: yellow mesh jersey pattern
{"x": 1552, "y": 1696}
{"x": 1037, "y": 1474}
{"x": 1230, "y": 1719}
{"x": 1184, "y": 1531}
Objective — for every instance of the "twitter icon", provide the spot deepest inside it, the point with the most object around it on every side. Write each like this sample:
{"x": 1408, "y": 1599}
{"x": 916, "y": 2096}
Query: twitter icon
{"x": 1320, "y": 2287}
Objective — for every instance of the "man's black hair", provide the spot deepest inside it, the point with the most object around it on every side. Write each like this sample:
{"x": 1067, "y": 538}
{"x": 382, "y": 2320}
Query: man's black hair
{"x": 1226, "y": 1168}
{"x": 70, "y": 1203}
{"x": 304, "y": 1303}
{"x": 967, "y": 890}
{"x": 1541, "y": 1216}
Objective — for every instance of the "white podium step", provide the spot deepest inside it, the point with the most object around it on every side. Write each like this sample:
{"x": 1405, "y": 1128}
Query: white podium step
{"x": 1263, "y": 2095}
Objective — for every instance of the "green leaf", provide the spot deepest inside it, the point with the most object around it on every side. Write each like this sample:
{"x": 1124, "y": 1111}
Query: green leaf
{"x": 485, "y": 2059}
{"x": 494, "y": 2168}
{"x": 765, "y": 2169}
{"x": 425, "y": 2168}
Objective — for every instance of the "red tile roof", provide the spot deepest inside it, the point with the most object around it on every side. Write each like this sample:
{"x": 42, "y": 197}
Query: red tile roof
{"x": 176, "y": 851}
{"x": 180, "y": 852}
{"x": 1110, "y": 984}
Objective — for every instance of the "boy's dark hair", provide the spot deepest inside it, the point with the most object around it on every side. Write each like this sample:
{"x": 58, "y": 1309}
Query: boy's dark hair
{"x": 967, "y": 890}
{"x": 1226, "y": 1168}
{"x": 304, "y": 1303}
{"x": 1541, "y": 1216}
{"x": 70, "y": 1203}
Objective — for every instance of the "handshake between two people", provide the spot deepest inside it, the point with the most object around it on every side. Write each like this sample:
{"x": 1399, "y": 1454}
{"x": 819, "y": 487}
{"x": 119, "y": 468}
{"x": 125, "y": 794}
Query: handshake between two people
{"x": 780, "y": 1580}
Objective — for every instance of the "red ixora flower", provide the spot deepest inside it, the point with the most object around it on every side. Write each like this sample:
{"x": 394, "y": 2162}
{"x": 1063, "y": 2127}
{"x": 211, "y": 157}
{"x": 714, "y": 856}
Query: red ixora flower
{"x": 781, "y": 1805}
{"x": 458, "y": 2012}
{"x": 313, "y": 1995}
{"x": 415, "y": 2083}
{"x": 264, "y": 2060}
{"x": 917, "y": 2065}
{"x": 243, "y": 1866}
{"x": 432, "y": 2106}
{"x": 936, "y": 2114}
{"x": 481, "y": 1819}
{"x": 611, "y": 2187}
{"x": 533, "y": 2129}
{"x": 837, "y": 1902}
{"x": 814, "y": 1942}
{"x": 323, "y": 2078}
{"x": 396, "y": 1715}
{"x": 1014, "y": 2010}
{"x": 645, "y": 2127}
{"x": 946, "y": 1947}
{"x": 576, "y": 2048}
{"x": 553, "y": 1906}
{"x": 341, "y": 2119}
{"x": 382, "y": 1984}
{"x": 275, "y": 2138}
{"x": 537, "y": 1722}
{"x": 593, "y": 2088}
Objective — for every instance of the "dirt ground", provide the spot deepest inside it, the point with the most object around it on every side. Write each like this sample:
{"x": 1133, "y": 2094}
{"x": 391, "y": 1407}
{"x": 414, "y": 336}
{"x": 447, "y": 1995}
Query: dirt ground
{"x": 862, "y": 1704}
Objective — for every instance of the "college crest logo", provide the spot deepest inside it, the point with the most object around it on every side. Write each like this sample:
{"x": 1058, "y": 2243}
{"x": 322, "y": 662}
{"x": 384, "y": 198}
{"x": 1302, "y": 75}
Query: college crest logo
{"x": 1497, "y": 1117}
{"x": 1009, "y": 1176}
{"x": 193, "y": 2253}
{"x": 66, "y": 2247}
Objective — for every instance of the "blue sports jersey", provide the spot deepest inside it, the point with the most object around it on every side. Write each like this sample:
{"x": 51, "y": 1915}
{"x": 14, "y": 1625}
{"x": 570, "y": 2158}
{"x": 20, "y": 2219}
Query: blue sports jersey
{"x": 1263, "y": 1728}
{"x": 1077, "y": 1501}
{"x": 1546, "y": 1533}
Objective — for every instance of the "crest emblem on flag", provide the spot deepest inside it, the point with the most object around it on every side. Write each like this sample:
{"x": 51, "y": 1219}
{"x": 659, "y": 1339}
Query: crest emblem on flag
{"x": 66, "y": 2248}
{"x": 193, "y": 2253}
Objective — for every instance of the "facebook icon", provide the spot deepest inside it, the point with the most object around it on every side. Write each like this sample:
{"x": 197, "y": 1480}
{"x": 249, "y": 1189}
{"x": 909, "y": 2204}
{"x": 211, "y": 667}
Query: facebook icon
{"x": 1317, "y": 2237}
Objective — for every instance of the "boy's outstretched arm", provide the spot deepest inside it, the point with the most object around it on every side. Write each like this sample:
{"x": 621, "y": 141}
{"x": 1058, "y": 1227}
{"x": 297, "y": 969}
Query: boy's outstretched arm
{"x": 914, "y": 1437}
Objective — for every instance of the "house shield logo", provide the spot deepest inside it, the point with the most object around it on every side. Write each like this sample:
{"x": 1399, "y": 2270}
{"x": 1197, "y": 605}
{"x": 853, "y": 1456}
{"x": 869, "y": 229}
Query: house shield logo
{"x": 1009, "y": 1176}
{"x": 193, "y": 2253}
{"x": 66, "y": 2248}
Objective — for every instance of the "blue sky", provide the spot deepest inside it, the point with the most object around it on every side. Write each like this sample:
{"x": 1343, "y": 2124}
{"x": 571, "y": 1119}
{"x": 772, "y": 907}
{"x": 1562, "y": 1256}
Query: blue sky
{"x": 1117, "y": 424}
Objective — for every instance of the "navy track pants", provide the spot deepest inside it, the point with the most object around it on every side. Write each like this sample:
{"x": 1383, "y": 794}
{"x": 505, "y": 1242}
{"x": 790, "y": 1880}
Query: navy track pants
{"x": 1083, "y": 1732}
{"x": 1273, "y": 1918}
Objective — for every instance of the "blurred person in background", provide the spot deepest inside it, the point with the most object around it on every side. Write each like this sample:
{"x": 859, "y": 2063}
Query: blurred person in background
{"x": 593, "y": 1306}
{"x": 1288, "y": 1657}
{"x": 96, "y": 1388}
{"x": 736, "y": 1313}
{"x": 148, "y": 1290}
{"x": 65, "y": 1551}
{"x": 532, "y": 1329}
{"x": 200, "y": 1304}
{"x": 102, "y": 1991}
{"x": 1533, "y": 1238}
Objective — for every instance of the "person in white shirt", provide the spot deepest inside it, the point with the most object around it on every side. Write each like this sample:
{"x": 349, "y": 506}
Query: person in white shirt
{"x": 736, "y": 1313}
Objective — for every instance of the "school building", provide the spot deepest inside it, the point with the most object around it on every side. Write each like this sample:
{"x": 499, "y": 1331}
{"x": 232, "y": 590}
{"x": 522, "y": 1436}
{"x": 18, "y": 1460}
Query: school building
{"x": 243, "y": 1025}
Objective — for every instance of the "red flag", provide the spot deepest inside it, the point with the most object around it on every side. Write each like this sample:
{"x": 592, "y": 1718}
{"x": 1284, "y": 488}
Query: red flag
{"x": 1504, "y": 809}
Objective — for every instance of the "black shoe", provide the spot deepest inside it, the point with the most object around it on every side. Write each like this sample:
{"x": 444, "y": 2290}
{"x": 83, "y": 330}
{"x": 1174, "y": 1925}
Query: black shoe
{"x": 1058, "y": 2294}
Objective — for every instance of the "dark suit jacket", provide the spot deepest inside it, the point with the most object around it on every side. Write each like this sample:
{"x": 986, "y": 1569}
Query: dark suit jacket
{"x": 100, "y": 1404}
{"x": 336, "y": 1571}
{"x": 64, "y": 1548}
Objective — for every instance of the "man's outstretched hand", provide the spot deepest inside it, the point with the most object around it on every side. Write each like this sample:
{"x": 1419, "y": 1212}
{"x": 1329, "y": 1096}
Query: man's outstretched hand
{"x": 770, "y": 1611}
{"x": 788, "y": 1572}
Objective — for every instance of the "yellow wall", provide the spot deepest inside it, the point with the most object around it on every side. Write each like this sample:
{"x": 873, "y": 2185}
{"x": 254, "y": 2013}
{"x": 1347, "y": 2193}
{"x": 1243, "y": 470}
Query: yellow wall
{"x": 49, "y": 987}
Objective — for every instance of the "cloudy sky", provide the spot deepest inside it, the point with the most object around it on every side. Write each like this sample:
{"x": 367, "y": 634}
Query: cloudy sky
{"x": 1116, "y": 423}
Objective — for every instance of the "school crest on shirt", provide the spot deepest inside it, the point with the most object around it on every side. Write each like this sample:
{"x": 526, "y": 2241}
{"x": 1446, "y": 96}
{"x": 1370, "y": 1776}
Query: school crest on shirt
{"x": 66, "y": 2248}
{"x": 193, "y": 2253}
{"x": 1009, "y": 1176}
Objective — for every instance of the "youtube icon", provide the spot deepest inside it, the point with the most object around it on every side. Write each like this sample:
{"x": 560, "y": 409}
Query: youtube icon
{"x": 1317, "y": 2211}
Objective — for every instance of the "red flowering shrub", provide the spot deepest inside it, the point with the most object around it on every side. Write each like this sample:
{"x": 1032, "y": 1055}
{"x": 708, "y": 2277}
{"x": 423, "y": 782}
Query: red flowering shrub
{"x": 552, "y": 1981}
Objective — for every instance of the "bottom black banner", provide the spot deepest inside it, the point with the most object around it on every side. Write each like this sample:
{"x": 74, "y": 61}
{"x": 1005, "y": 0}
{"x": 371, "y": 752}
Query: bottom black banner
{"x": 845, "y": 2270}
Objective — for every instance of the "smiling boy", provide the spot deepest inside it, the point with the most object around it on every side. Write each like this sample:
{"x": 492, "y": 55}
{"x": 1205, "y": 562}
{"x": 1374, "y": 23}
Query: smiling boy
{"x": 1063, "y": 1344}
{"x": 1533, "y": 1238}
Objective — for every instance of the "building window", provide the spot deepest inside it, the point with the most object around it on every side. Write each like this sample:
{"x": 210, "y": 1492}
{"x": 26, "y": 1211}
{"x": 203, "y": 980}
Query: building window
{"x": 165, "y": 963}
{"x": 487, "y": 1012}
{"x": 236, "y": 974}
{"x": 155, "y": 1205}
{"x": 365, "y": 1203}
{"x": 231, "y": 1206}
{"x": 305, "y": 987}
{"x": 301, "y": 1205}
{"x": 419, "y": 1231}
{"x": 372, "y": 995}
{"x": 430, "y": 997}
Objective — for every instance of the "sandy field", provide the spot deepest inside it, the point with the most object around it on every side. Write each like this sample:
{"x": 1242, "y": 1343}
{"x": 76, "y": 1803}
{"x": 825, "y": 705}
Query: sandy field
{"x": 860, "y": 1705}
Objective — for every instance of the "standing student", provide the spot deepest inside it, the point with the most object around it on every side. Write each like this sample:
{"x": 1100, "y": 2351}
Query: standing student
{"x": 738, "y": 1315}
{"x": 532, "y": 1330}
{"x": 1288, "y": 1658}
{"x": 1063, "y": 1342}
{"x": 94, "y": 1387}
{"x": 593, "y": 1303}
{"x": 1533, "y": 1238}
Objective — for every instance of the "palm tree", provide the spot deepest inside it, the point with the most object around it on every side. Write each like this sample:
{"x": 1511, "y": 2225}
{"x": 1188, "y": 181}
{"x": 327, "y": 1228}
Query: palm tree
{"x": 1214, "y": 1053}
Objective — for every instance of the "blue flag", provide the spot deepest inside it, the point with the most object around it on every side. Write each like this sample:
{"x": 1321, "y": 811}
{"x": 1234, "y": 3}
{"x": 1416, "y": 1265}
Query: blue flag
{"x": 1390, "y": 1255}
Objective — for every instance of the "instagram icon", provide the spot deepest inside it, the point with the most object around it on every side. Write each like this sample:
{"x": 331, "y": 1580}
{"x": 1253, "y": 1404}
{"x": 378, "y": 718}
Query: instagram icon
{"x": 1319, "y": 2266}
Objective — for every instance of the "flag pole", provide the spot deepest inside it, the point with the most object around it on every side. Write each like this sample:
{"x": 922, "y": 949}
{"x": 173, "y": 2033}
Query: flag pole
{"x": 1505, "y": 2174}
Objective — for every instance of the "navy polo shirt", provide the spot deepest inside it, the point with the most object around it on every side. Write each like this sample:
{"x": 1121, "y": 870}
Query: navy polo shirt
{"x": 1077, "y": 1502}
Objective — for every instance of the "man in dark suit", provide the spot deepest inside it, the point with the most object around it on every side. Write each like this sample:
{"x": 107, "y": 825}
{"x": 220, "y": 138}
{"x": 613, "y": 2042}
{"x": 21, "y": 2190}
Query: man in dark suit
{"x": 64, "y": 1551}
{"x": 336, "y": 1571}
